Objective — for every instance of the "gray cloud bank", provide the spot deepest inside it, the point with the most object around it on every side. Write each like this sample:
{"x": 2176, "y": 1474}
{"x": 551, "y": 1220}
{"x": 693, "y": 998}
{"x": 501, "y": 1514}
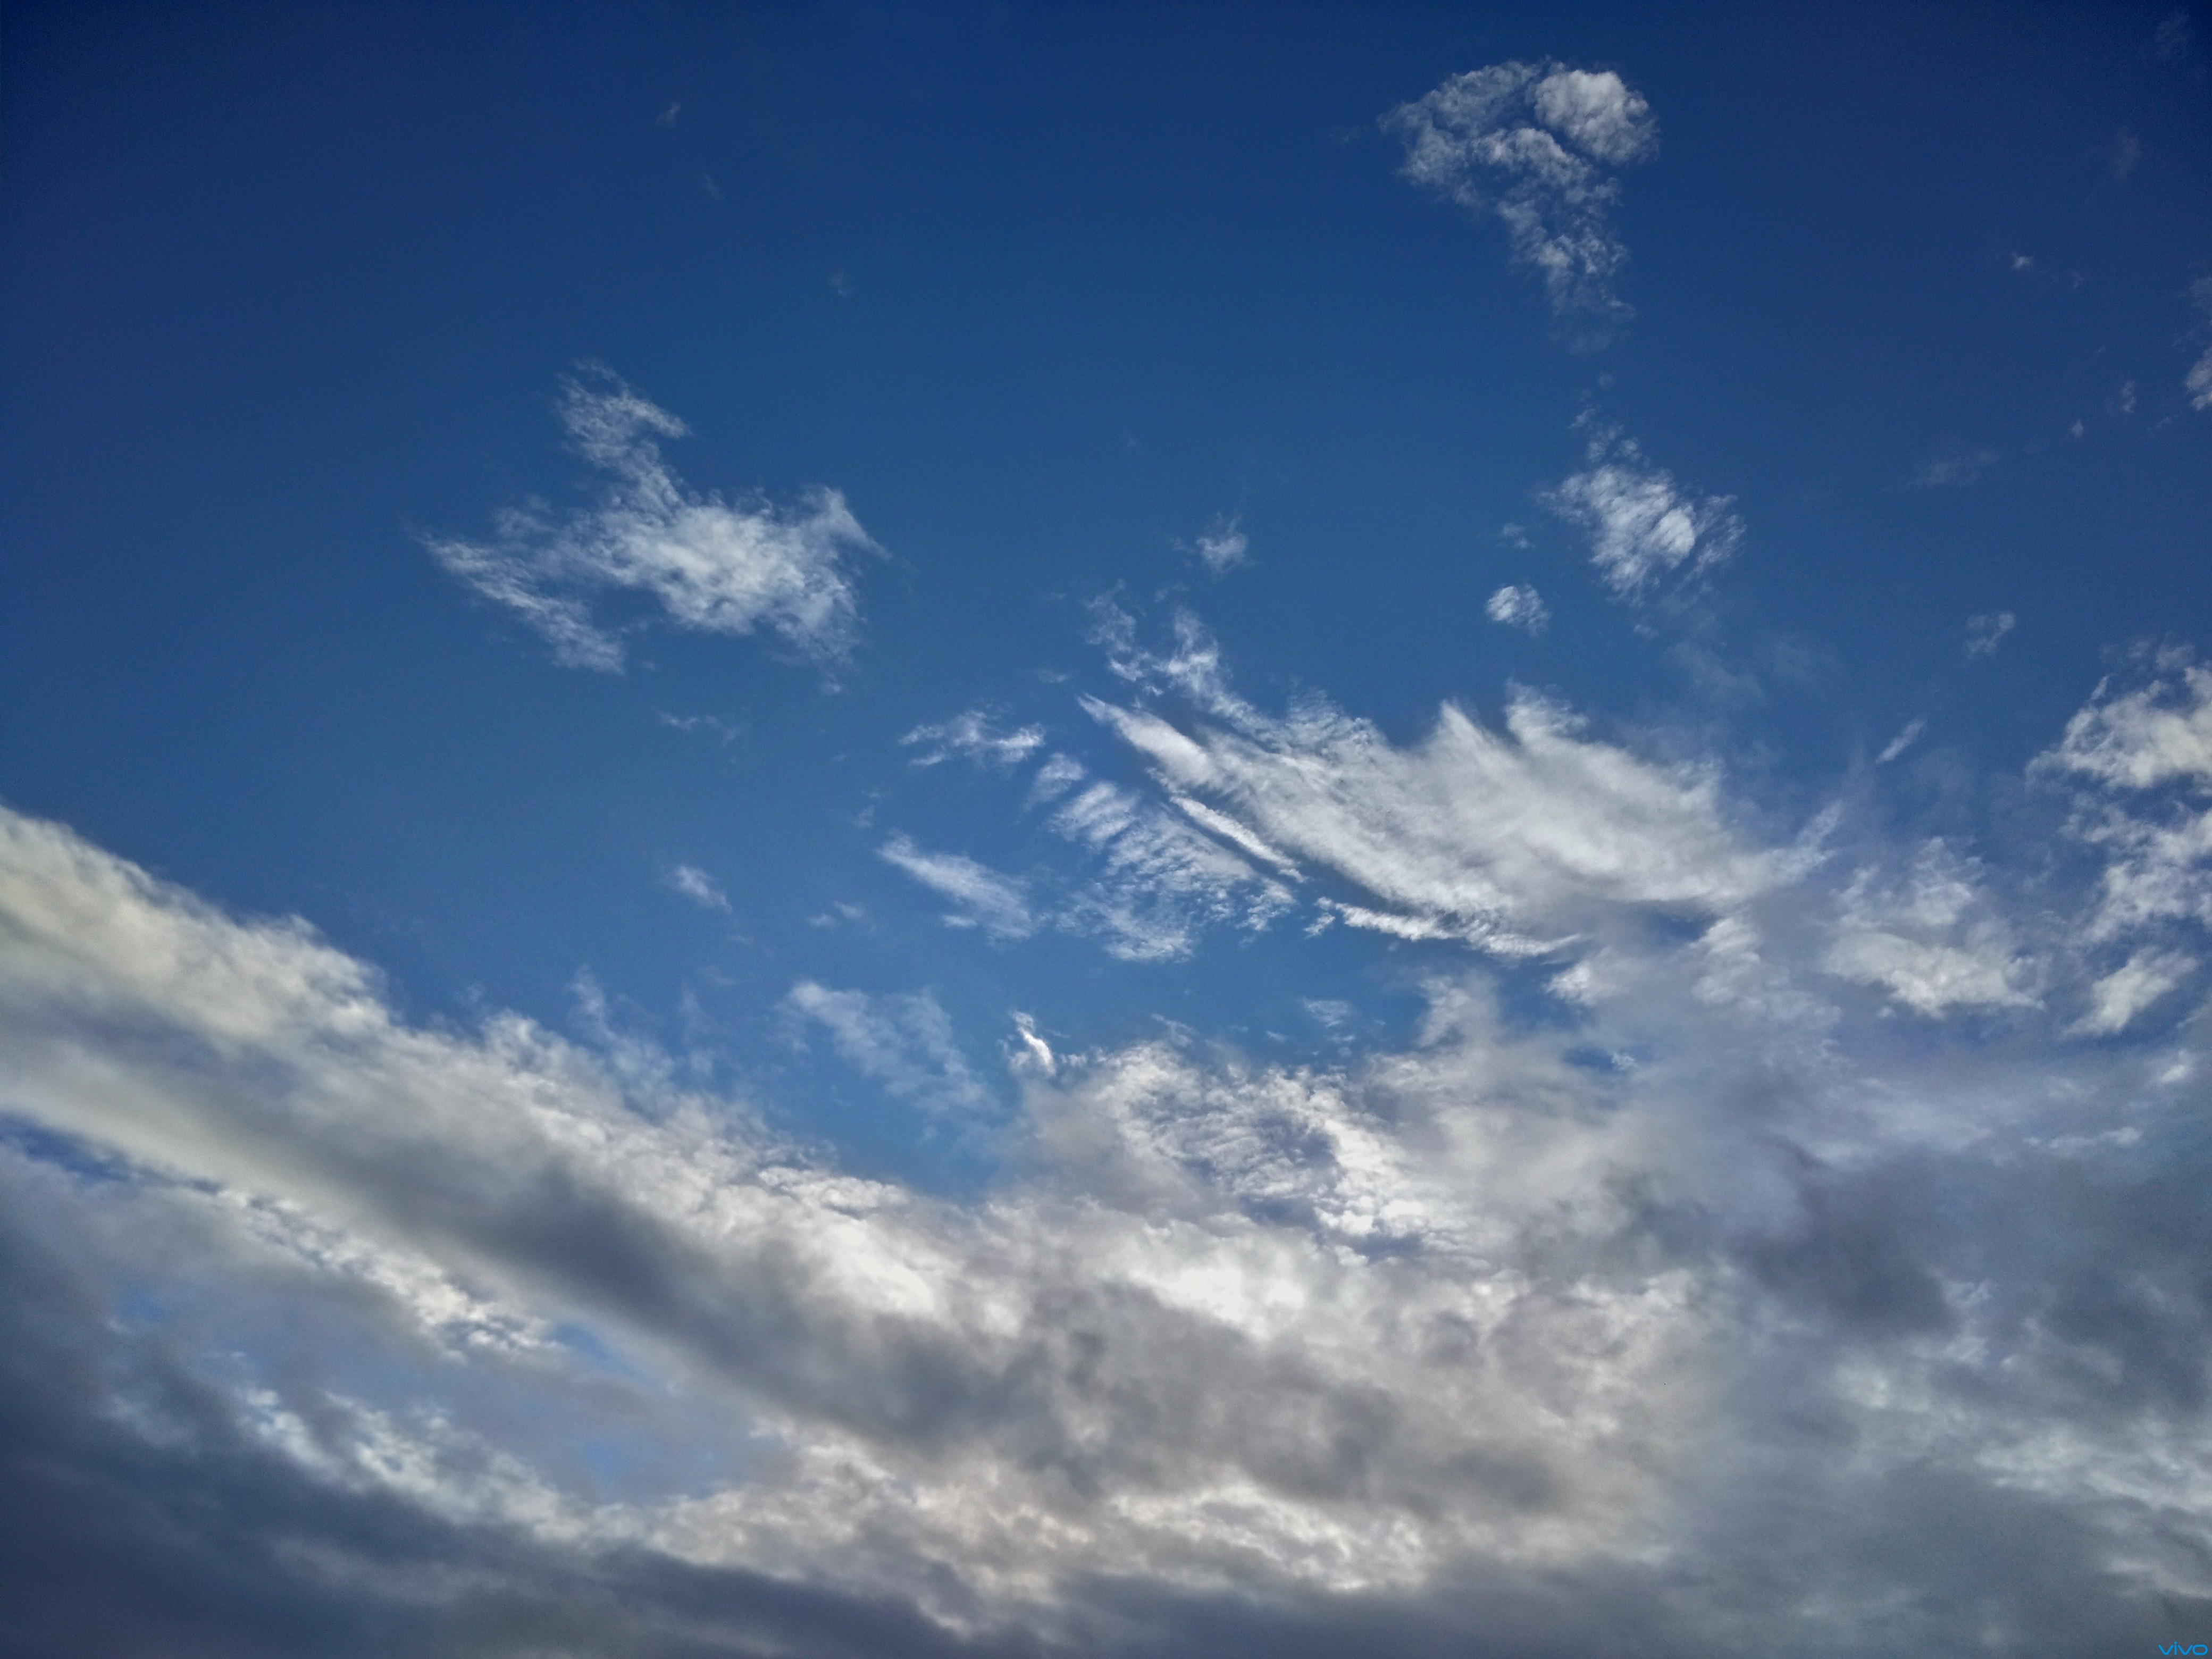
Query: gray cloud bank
{"x": 1831, "y": 1275}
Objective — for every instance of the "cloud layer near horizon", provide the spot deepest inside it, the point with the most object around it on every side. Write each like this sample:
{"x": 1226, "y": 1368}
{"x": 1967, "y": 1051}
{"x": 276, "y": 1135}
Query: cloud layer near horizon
{"x": 1648, "y": 1297}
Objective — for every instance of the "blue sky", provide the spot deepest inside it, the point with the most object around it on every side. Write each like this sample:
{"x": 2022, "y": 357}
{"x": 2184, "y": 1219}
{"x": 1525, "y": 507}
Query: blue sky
{"x": 878, "y": 829}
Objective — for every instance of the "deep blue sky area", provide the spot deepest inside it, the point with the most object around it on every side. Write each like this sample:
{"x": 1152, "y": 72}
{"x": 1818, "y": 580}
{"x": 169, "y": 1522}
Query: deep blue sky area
{"x": 1124, "y": 331}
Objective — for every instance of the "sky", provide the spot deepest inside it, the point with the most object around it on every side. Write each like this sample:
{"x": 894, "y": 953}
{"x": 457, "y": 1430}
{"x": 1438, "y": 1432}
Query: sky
{"x": 874, "y": 830}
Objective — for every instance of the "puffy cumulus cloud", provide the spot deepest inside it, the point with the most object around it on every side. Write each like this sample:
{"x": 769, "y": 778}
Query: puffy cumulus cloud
{"x": 713, "y": 567}
{"x": 1503, "y": 839}
{"x": 1768, "y": 1334}
{"x": 1534, "y": 145}
{"x": 1641, "y": 526}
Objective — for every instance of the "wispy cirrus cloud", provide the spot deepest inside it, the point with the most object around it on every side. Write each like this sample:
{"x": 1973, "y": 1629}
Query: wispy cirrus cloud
{"x": 973, "y": 735}
{"x": 711, "y": 565}
{"x": 1224, "y": 546}
{"x": 1501, "y": 839}
{"x": 997, "y": 903}
{"x": 1534, "y": 144}
{"x": 1985, "y": 633}
{"x": 1909, "y": 735}
{"x": 1955, "y": 468}
{"x": 902, "y": 1041}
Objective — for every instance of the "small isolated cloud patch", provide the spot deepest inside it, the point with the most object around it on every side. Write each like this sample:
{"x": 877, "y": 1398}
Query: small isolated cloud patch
{"x": 715, "y": 567}
{"x": 1641, "y": 524}
{"x": 1534, "y": 145}
{"x": 1955, "y": 469}
{"x": 972, "y": 736}
{"x": 1985, "y": 632}
{"x": 1903, "y": 741}
{"x": 1519, "y": 606}
{"x": 1224, "y": 546}
{"x": 699, "y": 887}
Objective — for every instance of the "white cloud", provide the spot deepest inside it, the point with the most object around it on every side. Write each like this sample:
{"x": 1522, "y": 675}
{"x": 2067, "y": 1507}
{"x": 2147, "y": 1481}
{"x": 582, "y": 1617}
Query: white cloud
{"x": 1930, "y": 940}
{"x": 1641, "y": 526}
{"x": 1242, "y": 1328}
{"x": 994, "y": 902}
{"x": 2133, "y": 986}
{"x": 904, "y": 1042}
{"x": 1224, "y": 546}
{"x": 2146, "y": 758}
{"x": 1513, "y": 1302}
{"x": 2159, "y": 733}
{"x": 973, "y": 736}
{"x": 714, "y": 566}
{"x": 1519, "y": 606}
{"x": 701, "y": 888}
{"x": 1927, "y": 977}
{"x": 1903, "y": 741}
{"x": 1985, "y": 634}
{"x": 1533, "y": 144}
{"x": 1498, "y": 839}
{"x": 1160, "y": 882}
{"x": 1059, "y": 774}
